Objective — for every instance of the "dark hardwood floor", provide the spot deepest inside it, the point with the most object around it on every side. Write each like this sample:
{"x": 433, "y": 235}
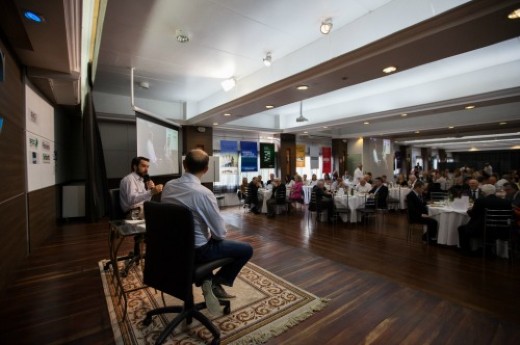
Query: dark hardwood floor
{"x": 383, "y": 288}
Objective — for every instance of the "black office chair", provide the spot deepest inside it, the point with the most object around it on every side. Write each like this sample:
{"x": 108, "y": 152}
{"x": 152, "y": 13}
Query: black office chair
{"x": 170, "y": 265}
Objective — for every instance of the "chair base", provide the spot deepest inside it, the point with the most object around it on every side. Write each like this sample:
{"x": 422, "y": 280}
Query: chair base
{"x": 188, "y": 315}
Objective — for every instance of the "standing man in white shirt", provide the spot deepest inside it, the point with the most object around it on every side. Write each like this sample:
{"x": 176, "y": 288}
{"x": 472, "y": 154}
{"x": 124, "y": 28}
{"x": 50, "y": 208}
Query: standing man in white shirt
{"x": 358, "y": 173}
{"x": 210, "y": 230}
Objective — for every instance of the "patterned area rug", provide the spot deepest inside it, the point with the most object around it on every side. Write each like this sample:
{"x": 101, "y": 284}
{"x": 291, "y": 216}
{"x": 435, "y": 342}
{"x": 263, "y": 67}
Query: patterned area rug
{"x": 266, "y": 306}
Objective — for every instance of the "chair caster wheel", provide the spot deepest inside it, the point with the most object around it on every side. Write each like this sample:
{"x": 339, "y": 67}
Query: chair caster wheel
{"x": 147, "y": 321}
{"x": 215, "y": 341}
{"x": 227, "y": 310}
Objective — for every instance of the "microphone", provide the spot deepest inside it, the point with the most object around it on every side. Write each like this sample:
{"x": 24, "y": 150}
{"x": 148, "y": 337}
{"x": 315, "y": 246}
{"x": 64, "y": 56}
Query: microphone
{"x": 146, "y": 178}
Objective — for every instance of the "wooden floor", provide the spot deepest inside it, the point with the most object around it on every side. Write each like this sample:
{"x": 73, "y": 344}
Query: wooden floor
{"x": 383, "y": 288}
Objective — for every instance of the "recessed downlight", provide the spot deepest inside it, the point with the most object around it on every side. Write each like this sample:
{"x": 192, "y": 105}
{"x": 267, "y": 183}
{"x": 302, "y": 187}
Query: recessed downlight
{"x": 417, "y": 132}
{"x": 389, "y": 69}
{"x": 33, "y": 16}
{"x": 269, "y": 106}
{"x": 325, "y": 126}
{"x": 404, "y": 115}
{"x": 451, "y": 127}
{"x": 515, "y": 14}
{"x": 215, "y": 123}
{"x": 302, "y": 87}
{"x": 305, "y": 132}
{"x": 468, "y": 107}
{"x": 227, "y": 114}
{"x": 366, "y": 123}
{"x": 502, "y": 123}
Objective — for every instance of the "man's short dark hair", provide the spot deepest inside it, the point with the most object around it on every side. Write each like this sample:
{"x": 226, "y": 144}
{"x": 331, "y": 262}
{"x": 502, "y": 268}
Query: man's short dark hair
{"x": 196, "y": 161}
{"x": 136, "y": 161}
{"x": 418, "y": 184}
{"x": 511, "y": 185}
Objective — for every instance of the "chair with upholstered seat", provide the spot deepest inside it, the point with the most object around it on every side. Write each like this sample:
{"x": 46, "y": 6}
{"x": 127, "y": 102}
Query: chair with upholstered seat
{"x": 170, "y": 266}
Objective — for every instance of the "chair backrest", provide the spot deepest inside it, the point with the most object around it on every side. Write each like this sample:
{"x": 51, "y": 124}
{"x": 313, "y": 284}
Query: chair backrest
{"x": 314, "y": 205}
{"x": 498, "y": 219}
{"x": 438, "y": 196}
{"x": 114, "y": 211}
{"x": 281, "y": 195}
{"x": 170, "y": 249}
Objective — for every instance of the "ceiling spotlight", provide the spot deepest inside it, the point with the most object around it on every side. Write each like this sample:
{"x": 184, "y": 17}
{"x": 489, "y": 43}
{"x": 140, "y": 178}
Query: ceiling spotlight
{"x": 469, "y": 107}
{"x": 502, "y": 123}
{"x": 215, "y": 123}
{"x": 228, "y": 84}
{"x": 366, "y": 123}
{"x": 181, "y": 36}
{"x": 451, "y": 127}
{"x": 144, "y": 85}
{"x": 325, "y": 127}
{"x": 33, "y": 16}
{"x": 326, "y": 26}
{"x": 227, "y": 114}
{"x": 515, "y": 14}
{"x": 302, "y": 87}
{"x": 301, "y": 118}
{"x": 404, "y": 115}
{"x": 269, "y": 106}
{"x": 389, "y": 69}
{"x": 417, "y": 132}
{"x": 267, "y": 59}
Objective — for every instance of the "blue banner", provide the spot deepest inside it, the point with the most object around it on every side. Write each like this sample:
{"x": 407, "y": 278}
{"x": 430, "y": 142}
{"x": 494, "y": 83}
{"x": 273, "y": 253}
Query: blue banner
{"x": 249, "y": 154}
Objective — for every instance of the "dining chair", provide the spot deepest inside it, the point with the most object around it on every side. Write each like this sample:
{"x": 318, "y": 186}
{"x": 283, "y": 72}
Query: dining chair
{"x": 497, "y": 226}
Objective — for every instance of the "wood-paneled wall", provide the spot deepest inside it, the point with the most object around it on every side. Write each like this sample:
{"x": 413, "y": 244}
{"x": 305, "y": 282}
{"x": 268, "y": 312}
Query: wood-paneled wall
{"x": 12, "y": 155}
{"x": 41, "y": 205}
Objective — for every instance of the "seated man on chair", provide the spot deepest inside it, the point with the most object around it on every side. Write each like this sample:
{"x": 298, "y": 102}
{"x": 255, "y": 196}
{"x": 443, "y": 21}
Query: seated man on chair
{"x": 380, "y": 194}
{"x": 324, "y": 198}
{"x": 210, "y": 229}
{"x": 418, "y": 212}
{"x": 134, "y": 189}
{"x": 278, "y": 187}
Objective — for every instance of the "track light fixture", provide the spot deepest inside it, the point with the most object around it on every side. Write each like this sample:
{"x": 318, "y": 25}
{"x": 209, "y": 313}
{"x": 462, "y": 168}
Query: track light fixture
{"x": 267, "y": 59}
{"x": 326, "y": 26}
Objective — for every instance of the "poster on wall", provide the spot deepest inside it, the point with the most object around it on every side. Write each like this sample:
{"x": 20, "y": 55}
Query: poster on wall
{"x": 300, "y": 156}
{"x": 266, "y": 156}
{"x": 249, "y": 156}
{"x": 228, "y": 157}
{"x": 314, "y": 154}
{"x": 326, "y": 154}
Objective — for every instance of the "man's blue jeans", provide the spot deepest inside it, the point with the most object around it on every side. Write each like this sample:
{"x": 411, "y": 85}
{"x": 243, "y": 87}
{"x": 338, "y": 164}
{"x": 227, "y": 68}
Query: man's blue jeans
{"x": 241, "y": 252}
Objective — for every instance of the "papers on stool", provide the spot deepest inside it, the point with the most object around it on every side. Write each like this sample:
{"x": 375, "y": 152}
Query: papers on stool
{"x": 461, "y": 204}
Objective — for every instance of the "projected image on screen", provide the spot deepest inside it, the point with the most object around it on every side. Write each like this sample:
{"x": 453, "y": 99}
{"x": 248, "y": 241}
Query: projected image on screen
{"x": 160, "y": 144}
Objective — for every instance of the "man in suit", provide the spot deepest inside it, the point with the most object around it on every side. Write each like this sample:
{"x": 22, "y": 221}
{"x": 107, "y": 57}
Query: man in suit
{"x": 278, "y": 189}
{"x": 475, "y": 226}
{"x": 418, "y": 213}
{"x": 252, "y": 195}
{"x": 512, "y": 193}
{"x": 380, "y": 193}
{"x": 472, "y": 190}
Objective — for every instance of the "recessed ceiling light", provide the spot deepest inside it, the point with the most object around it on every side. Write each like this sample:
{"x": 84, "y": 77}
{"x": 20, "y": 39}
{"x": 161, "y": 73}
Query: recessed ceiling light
{"x": 516, "y": 147}
{"x": 181, "y": 36}
{"x": 515, "y": 14}
{"x": 473, "y": 148}
{"x": 366, "y": 123}
{"x": 451, "y": 127}
{"x": 269, "y": 106}
{"x": 227, "y": 114}
{"x": 326, "y": 26}
{"x": 404, "y": 115}
{"x": 468, "y": 107}
{"x": 305, "y": 132}
{"x": 302, "y": 87}
{"x": 215, "y": 123}
{"x": 389, "y": 69}
{"x": 325, "y": 126}
{"x": 33, "y": 17}
{"x": 502, "y": 123}
{"x": 417, "y": 132}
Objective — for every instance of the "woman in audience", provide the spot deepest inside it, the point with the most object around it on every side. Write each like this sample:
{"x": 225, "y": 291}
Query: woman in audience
{"x": 297, "y": 190}
{"x": 242, "y": 193}
{"x": 401, "y": 181}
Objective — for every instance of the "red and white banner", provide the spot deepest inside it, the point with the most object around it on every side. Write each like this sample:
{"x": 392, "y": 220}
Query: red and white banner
{"x": 326, "y": 153}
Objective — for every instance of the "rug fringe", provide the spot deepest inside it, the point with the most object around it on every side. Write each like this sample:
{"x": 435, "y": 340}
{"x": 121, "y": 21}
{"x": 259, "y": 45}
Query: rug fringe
{"x": 263, "y": 337}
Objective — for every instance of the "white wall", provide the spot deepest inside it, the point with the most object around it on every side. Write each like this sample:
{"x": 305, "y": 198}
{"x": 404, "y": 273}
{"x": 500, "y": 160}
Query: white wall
{"x": 39, "y": 134}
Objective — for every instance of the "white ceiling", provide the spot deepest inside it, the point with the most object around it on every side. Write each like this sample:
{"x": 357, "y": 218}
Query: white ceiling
{"x": 229, "y": 38}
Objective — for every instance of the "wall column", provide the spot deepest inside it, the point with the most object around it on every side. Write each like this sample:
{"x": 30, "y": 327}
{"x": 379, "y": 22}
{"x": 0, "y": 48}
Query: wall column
{"x": 287, "y": 155}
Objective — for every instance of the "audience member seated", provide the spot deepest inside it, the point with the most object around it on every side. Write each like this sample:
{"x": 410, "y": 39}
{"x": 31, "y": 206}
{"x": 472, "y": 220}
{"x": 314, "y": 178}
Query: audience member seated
{"x": 324, "y": 198}
{"x": 512, "y": 193}
{"x": 278, "y": 187}
{"x": 252, "y": 195}
{"x": 475, "y": 227}
{"x": 305, "y": 181}
{"x": 363, "y": 186}
{"x": 418, "y": 213}
{"x": 472, "y": 190}
{"x": 297, "y": 190}
{"x": 260, "y": 182}
{"x": 411, "y": 180}
{"x": 289, "y": 182}
{"x": 242, "y": 193}
{"x": 314, "y": 180}
{"x": 271, "y": 178}
{"x": 380, "y": 194}
{"x": 401, "y": 181}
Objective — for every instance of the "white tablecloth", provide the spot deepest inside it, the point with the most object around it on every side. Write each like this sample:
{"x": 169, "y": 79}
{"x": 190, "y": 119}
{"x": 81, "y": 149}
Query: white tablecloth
{"x": 265, "y": 194}
{"x": 307, "y": 194}
{"x": 354, "y": 202}
{"x": 399, "y": 193}
{"x": 449, "y": 221}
